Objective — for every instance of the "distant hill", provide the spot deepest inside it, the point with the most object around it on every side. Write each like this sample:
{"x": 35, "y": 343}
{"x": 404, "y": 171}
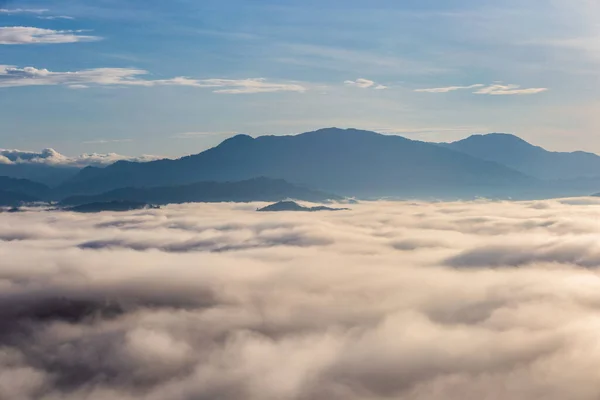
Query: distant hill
{"x": 293, "y": 206}
{"x": 115, "y": 206}
{"x": 259, "y": 189}
{"x": 47, "y": 174}
{"x": 349, "y": 162}
{"x": 535, "y": 161}
{"x": 24, "y": 186}
{"x": 14, "y": 199}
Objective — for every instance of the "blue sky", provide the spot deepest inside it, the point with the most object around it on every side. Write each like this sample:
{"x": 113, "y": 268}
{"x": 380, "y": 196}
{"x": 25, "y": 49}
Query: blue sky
{"x": 175, "y": 77}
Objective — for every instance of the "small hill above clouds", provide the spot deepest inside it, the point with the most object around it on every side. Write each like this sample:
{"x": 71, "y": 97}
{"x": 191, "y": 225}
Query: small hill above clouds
{"x": 344, "y": 161}
{"x": 522, "y": 156}
{"x": 293, "y": 206}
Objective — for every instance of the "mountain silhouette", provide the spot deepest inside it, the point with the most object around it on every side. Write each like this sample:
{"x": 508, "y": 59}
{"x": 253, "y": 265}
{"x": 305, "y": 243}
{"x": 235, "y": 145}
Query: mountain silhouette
{"x": 50, "y": 175}
{"x": 293, "y": 206}
{"x": 24, "y": 186}
{"x": 531, "y": 160}
{"x": 344, "y": 161}
{"x": 259, "y": 189}
{"x": 14, "y": 199}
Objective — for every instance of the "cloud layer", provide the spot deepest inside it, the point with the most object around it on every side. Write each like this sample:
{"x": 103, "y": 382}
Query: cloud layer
{"x": 11, "y": 76}
{"x": 54, "y": 158}
{"x": 445, "y": 301}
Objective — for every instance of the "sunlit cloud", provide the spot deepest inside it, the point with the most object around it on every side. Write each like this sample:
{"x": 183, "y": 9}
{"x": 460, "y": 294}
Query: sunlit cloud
{"x": 406, "y": 300}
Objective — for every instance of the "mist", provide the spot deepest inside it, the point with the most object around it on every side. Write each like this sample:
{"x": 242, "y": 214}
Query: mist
{"x": 390, "y": 300}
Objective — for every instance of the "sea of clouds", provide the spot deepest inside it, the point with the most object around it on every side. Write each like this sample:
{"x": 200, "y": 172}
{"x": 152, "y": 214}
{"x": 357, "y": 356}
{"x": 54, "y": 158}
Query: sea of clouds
{"x": 415, "y": 301}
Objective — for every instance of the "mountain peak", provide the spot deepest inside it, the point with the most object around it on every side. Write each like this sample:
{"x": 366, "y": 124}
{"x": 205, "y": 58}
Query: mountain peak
{"x": 333, "y": 131}
{"x": 496, "y": 138}
{"x": 240, "y": 138}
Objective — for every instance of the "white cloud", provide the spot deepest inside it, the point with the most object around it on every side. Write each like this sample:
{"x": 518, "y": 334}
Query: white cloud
{"x": 448, "y": 88}
{"x": 23, "y": 11}
{"x": 19, "y": 35}
{"x": 55, "y": 17}
{"x": 365, "y": 84}
{"x": 54, "y": 158}
{"x": 499, "y": 89}
{"x": 412, "y": 300}
{"x": 11, "y": 76}
{"x": 495, "y": 89}
{"x": 361, "y": 83}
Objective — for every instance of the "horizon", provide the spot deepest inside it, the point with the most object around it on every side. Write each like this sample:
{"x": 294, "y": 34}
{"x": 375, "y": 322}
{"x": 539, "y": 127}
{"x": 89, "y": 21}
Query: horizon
{"x": 149, "y": 77}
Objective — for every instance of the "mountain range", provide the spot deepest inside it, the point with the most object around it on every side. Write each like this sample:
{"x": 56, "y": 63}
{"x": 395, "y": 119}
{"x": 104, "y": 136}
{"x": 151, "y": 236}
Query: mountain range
{"x": 347, "y": 162}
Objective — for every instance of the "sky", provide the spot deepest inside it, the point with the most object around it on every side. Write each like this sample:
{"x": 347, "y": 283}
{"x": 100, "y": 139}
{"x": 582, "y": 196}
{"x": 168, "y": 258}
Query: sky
{"x": 175, "y": 77}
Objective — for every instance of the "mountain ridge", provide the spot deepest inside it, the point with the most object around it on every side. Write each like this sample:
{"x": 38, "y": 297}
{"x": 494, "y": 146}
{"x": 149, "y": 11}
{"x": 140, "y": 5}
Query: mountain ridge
{"x": 514, "y": 152}
{"x": 349, "y": 162}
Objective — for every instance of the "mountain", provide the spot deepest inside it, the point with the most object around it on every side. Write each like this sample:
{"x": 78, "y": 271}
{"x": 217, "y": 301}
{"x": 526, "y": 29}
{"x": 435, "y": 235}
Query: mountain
{"x": 14, "y": 199}
{"x": 259, "y": 189}
{"x": 515, "y": 153}
{"x": 24, "y": 186}
{"x": 47, "y": 174}
{"x": 349, "y": 162}
{"x": 293, "y": 206}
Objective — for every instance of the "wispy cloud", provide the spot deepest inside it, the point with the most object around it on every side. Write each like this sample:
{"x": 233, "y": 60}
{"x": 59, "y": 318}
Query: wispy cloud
{"x": 448, "y": 88}
{"x": 55, "y": 17}
{"x": 495, "y": 89}
{"x": 16, "y": 35}
{"x": 11, "y": 76}
{"x": 23, "y": 11}
{"x": 499, "y": 89}
{"x": 108, "y": 141}
{"x": 365, "y": 84}
{"x": 197, "y": 135}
